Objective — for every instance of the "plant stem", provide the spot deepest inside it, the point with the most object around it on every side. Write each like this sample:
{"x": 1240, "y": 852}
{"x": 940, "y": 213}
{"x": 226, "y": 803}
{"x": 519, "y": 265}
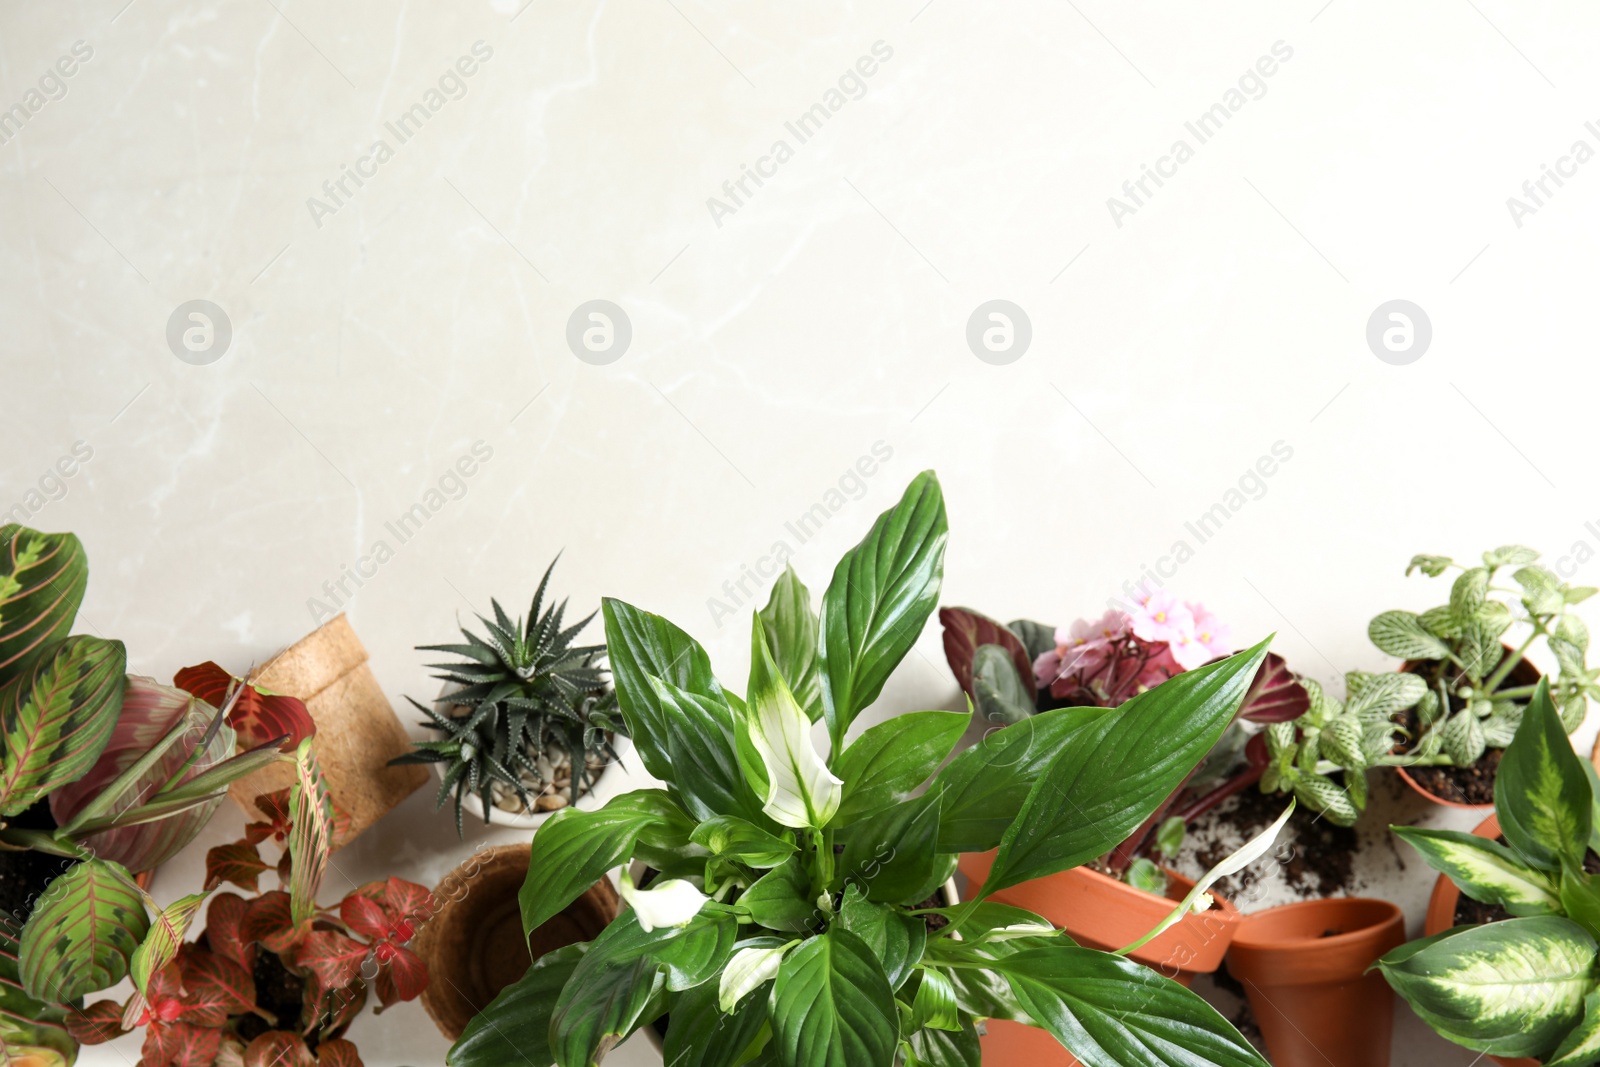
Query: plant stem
{"x": 1237, "y": 784}
{"x": 1512, "y": 660}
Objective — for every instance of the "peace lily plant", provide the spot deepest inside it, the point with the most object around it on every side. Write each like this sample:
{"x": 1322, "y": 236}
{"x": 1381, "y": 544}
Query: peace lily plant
{"x": 793, "y": 917}
{"x": 1528, "y": 985}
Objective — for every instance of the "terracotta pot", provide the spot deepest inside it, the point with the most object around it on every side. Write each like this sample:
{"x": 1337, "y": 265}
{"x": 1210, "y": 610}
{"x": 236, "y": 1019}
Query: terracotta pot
{"x": 1442, "y": 916}
{"x": 357, "y": 731}
{"x": 1524, "y": 673}
{"x": 473, "y": 946}
{"x": 1101, "y": 912}
{"x": 1304, "y": 968}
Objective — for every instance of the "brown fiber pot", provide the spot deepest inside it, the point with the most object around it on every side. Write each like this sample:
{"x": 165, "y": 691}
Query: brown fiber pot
{"x": 1442, "y": 916}
{"x": 357, "y": 730}
{"x": 473, "y": 946}
{"x": 1524, "y": 673}
{"x": 1304, "y": 968}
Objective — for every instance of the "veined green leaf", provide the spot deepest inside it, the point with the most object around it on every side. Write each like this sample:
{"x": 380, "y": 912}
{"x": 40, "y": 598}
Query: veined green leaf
{"x": 639, "y": 644}
{"x": 82, "y": 933}
{"x": 1511, "y": 988}
{"x": 1485, "y": 870}
{"x": 986, "y": 786}
{"x": 515, "y": 1027}
{"x": 882, "y": 593}
{"x": 1402, "y": 635}
{"x": 1109, "y": 1012}
{"x": 160, "y": 945}
{"x": 897, "y": 940}
{"x": 1109, "y": 780}
{"x": 57, "y": 716}
{"x": 42, "y": 581}
{"x": 574, "y": 849}
{"x": 801, "y": 792}
{"x": 792, "y": 636}
{"x": 832, "y": 1006}
{"x": 1541, "y": 793}
{"x": 886, "y": 764}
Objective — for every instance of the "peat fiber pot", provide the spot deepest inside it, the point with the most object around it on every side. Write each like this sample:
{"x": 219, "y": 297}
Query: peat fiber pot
{"x": 1442, "y": 916}
{"x": 473, "y": 946}
{"x": 1524, "y": 673}
{"x": 1304, "y": 968}
{"x": 357, "y": 730}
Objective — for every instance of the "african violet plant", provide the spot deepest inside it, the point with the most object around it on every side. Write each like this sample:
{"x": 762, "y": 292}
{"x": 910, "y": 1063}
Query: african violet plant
{"x": 525, "y": 704}
{"x": 1528, "y": 985}
{"x": 274, "y": 980}
{"x": 793, "y": 918}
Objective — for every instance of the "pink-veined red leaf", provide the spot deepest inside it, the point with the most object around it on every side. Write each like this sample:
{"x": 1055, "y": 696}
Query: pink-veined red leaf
{"x": 407, "y": 902}
{"x": 366, "y": 917}
{"x": 338, "y": 1053}
{"x": 401, "y": 974}
{"x": 258, "y": 715}
{"x": 239, "y": 863}
{"x": 270, "y": 922}
{"x": 224, "y": 919}
{"x": 214, "y": 987}
{"x": 332, "y": 957}
{"x": 278, "y": 1048}
{"x": 180, "y": 1044}
{"x": 96, "y": 1024}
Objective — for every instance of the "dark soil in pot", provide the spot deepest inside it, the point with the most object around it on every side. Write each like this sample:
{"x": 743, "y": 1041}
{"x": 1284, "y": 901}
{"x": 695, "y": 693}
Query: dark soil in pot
{"x": 1472, "y": 785}
{"x": 24, "y": 875}
{"x": 1317, "y": 856}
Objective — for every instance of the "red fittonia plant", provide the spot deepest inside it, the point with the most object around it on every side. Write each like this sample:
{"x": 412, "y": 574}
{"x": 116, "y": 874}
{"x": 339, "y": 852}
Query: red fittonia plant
{"x": 261, "y": 988}
{"x": 258, "y": 715}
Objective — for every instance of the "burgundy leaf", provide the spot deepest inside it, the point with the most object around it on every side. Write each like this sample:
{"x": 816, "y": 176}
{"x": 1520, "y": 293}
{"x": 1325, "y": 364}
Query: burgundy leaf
{"x": 338, "y": 1053}
{"x": 278, "y": 1048}
{"x": 1275, "y": 694}
{"x": 408, "y": 902}
{"x": 332, "y": 957}
{"x": 965, "y": 630}
{"x": 215, "y": 987}
{"x": 338, "y": 1008}
{"x": 269, "y": 922}
{"x": 258, "y": 715}
{"x": 401, "y": 974}
{"x": 180, "y": 1045}
{"x": 239, "y": 863}
{"x": 366, "y": 916}
{"x": 224, "y": 919}
{"x": 98, "y": 1023}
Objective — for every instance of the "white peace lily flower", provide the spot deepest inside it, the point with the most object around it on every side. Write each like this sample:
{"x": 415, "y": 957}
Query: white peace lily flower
{"x": 1198, "y": 899}
{"x": 1006, "y": 933}
{"x": 747, "y": 971}
{"x": 801, "y": 792}
{"x": 671, "y": 903}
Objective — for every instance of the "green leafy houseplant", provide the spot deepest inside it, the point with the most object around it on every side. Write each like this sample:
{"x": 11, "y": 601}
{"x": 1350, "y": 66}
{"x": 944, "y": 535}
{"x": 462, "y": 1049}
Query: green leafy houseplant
{"x": 1458, "y": 678}
{"x": 790, "y": 921}
{"x": 1528, "y": 985}
{"x": 524, "y": 698}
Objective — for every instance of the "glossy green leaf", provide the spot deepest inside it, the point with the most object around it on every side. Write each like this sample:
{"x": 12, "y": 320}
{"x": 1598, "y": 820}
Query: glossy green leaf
{"x": 701, "y": 734}
{"x": 1485, "y": 870}
{"x": 702, "y": 1036}
{"x": 886, "y": 764}
{"x": 1110, "y": 1012}
{"x": 574, "y": 849}
{"x": 57, "y": 716}
{"x": 832, "y": 1006}
{"x": 1037, "y": 638}
{"x": 1512, "y": 988}
{"x": 792, "y": 636}
{"x": 42, "y": 581}
{"x": 639, "y": 644}
{"x": 941, "y": 1048}
{"x": 1110, "y": 779}
{"x": 896, "y": 939}
{"x": 1580, "y": 899}
{"x": 742, "y": 842}
{"x": 515, "y": 1027}
{"x": 82, "y": 933}
{"x": 892, "y": 855}
{"x": 935, "y": 1003}
{"x": 986, "y": 786}
{"x": 882, "y": 593}
{"x": 801, "y": 791}
{"x": 1581, "y": 1047}
{"x": 1541, "y": 793}
{"x": 781, "y": 899}
{"x": 1000, "y": 693}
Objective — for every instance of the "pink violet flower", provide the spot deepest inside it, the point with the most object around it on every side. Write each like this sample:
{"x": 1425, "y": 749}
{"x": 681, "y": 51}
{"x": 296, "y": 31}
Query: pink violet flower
{"x": 1163, "y": 617}
{"x": 1212, "y": 632}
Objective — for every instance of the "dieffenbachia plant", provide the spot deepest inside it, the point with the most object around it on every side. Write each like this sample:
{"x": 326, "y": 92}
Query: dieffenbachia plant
{"x": 1462, "y": 698}
{"x": 794, "y": 917}
{"x": 1528, "y": 985}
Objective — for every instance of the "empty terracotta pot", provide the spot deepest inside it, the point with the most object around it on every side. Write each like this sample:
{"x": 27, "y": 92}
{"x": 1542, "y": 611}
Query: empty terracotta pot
{"x": 1442, "y": 916}
{"x": 1102, "y": 912}
{"x": 473, "y": 946}
{"x": 357, "y": 730}
{"x": 1304, "y": 968}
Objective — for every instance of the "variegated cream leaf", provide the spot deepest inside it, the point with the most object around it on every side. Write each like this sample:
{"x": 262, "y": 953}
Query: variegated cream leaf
{"x": 1582, "y": 1046}
{"x": 1402, "y": 635}
{"x": 1198, "y": 898}
{"x": 1485, "y": 870}
{"x": 1511, "y": 988}
{"x": 1461, "y": 736}
{"x": 801, "y": 792}
{"x": 1382, "y": 695}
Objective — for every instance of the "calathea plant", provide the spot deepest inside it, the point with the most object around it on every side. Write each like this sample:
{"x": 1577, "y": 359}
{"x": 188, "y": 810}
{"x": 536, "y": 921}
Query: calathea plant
{"x": 793, "y": 918}
{"x": 1528, "y": 985}
{"x": 527, "y": 706}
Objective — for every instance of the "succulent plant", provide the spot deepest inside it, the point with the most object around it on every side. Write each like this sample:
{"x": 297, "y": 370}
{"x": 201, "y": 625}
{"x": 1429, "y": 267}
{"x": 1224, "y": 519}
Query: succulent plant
{"x": 516, "y": 690}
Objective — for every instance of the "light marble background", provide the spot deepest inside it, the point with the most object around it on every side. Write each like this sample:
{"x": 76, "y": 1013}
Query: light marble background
{"x": 373, "y": 346}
